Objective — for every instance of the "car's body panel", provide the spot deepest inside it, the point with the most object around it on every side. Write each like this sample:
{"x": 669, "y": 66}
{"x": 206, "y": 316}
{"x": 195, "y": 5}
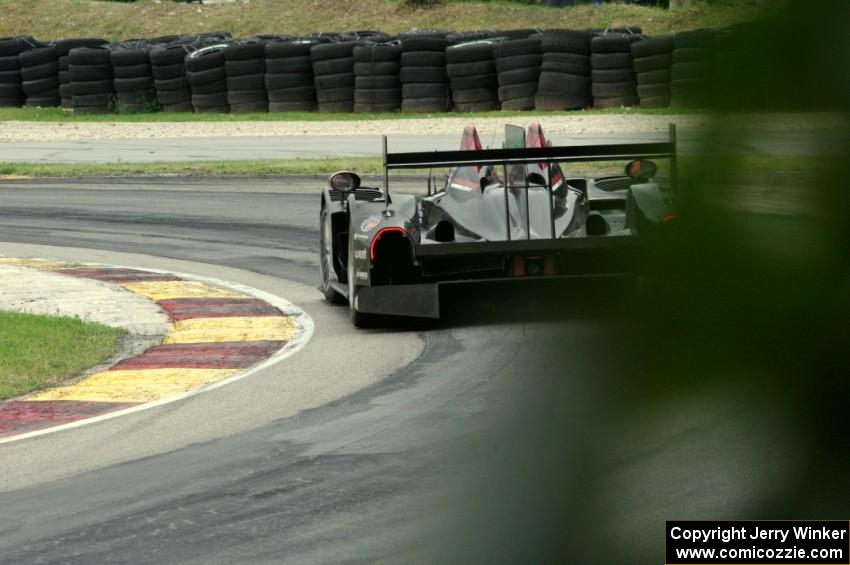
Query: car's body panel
{"x": 391, "y": 254}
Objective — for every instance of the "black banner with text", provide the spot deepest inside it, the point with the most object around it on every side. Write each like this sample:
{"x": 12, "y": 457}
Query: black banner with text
{"x": 744, "y": 542}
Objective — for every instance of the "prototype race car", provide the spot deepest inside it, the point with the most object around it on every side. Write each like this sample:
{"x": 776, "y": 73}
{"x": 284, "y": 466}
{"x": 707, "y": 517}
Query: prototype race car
{"x": 507, "y": 215}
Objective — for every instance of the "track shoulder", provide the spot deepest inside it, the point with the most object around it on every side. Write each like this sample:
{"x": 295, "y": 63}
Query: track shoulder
{"x": 337, "y": 362}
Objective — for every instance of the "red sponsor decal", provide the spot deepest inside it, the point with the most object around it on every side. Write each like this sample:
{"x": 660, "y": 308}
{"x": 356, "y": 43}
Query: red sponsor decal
{"x": 370, "y": 223}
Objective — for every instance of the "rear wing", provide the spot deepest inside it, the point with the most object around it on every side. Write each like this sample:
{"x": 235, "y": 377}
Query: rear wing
{"x": 559, "y": 154}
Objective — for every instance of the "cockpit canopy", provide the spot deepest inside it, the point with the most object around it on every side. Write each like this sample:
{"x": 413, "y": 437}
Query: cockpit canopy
{"x": 477, "y": 178}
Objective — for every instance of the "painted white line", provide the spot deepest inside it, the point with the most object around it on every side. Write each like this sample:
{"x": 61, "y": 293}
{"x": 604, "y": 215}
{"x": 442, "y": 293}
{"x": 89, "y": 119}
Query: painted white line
{"x": 303, "y": 332}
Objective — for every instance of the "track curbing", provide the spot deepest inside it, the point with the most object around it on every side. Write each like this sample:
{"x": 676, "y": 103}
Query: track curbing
{"x": 299, "y": 333}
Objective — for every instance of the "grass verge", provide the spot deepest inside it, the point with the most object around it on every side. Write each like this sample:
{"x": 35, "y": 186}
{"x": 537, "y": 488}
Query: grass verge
{"x": 48, "y": 19}
{"x": 362, "y": 165}
{"x": 60, "y": 115}
{"x": 37, "y": 352}
{"x": 365, "y": 165}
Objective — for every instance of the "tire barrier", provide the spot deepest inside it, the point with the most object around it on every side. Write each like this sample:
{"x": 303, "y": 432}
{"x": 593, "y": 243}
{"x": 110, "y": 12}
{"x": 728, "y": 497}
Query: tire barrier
{"x": 133, "y": 77}
{"x": 523, "y": 33}
{"x": 692, "y": 69}
{"x": 652, "y": 59}
{"x": 421, "y": 70}
{"x": 423, "y": 32}
{"x": 92, "y": 86}
{"x": 168, "y": 68}
{"x": 370, "y": 36}
{"x": 244, "y": 66}
{"x": 729, "y": 44}
{"x": 333, "y": 71}
{"x": 207, "y": 77}
{"x": 40, "y": 77}
{"x": 474, "y": 81}
{"x": 629, "y": 30}
{"x": 377, "y": 83}
{"x": 612, "y": 75}
{"x": 63, "y": 50}
{"x": 289, "y": 76}
{"x": 11, "y": 77}
{"x": 457, "y": 37}
{"x": 518, "y": 65}
{"x": 424, "y": 82}
{"x": 565, "y": 75}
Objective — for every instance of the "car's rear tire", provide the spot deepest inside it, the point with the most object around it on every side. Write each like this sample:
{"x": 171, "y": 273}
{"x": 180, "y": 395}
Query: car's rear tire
{"x": 326, "y": 260}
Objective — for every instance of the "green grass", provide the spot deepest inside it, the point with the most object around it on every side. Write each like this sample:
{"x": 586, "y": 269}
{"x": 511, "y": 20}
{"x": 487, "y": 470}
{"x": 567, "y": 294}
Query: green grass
{"x": 60, "y": 115}
{"x": 37, "y": 352}
{"x": 53, "y": 19}
{"x": 260, "y": 167}
{"x": 362, "y": 165}
{"x": 365, "y": 165}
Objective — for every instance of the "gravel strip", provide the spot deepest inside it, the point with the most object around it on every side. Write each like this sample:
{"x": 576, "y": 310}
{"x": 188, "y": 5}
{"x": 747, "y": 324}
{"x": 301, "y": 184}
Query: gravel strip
{"x": 22, "y": 131}
{"x": 34, "y": 291}
{"x": 18, "y": 131}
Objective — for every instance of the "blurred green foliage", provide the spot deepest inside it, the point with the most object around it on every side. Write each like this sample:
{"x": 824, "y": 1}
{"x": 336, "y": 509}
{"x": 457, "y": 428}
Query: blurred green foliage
{"x": 723, "y": 393}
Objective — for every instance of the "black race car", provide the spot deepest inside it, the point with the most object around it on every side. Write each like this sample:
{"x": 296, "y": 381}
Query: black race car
{"x": 507, "y": 215}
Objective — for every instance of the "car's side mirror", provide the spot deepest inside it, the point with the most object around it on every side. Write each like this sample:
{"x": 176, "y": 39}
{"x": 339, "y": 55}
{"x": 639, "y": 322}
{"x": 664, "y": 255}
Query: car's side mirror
{"x": 642, "y": 169}
{"x": 344, "y": 181}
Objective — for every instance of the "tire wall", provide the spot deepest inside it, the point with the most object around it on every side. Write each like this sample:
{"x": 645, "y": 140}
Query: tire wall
{"x": 422, "y": 70}
{"x": 133, "y": 77}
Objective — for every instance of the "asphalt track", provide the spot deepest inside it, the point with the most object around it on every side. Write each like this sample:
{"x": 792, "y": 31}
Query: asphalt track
{"x": 394, "y": 445}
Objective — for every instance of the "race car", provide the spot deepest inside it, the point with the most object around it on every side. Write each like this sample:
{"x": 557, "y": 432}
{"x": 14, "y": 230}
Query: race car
{"x": 509, "y": 215}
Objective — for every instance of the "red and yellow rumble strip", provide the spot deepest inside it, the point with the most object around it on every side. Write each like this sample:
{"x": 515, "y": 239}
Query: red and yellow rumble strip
{"x": 215, "y": 333}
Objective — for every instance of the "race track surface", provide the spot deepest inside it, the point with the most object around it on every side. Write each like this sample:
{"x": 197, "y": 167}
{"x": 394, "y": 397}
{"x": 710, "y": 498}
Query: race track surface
{"x": 430, "y": 443}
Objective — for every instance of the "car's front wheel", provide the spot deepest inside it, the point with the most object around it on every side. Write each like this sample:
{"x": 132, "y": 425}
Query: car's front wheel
{"x": 326, "y": 268}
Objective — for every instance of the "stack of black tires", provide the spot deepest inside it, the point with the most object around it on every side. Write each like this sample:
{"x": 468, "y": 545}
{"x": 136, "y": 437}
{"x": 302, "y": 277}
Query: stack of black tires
{"x": 652, "y": 59}
{"x": 92, "y": 87}
{"x": 458, "y": 37}
{"x": 473, "y": 77}
{"x": 133, "y": 78}
{"x": 424, "y": 82}
{"x": 612, "y": 75}
{"x": 11, "y": 81}
{"x": 208, "y": 79}
{"x": 564, "y": 82}
{"x": 40, "y": 74}
{"x": 629, "y": 30}
{"x": 168, "y": 67}
{"x": 333, "y": 70}
{"x": 693, "y": 68}
{"x": 377, "y": 87}
{"x": 289, "y": 76}
{"x": 518, "y": 64}
{"x": 245, "y": 63}
{"x": 63, "y": 50}
{"x": 738, "y": 50}
{"x": 368, "y": 71}
{"x": 368, "y": 36}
